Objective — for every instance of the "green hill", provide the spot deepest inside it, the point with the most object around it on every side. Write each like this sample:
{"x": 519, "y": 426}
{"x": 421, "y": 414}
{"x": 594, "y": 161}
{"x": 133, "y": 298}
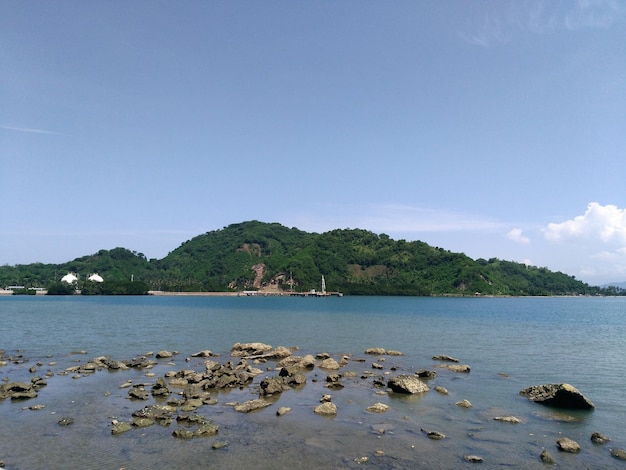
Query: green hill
{"x": 268, "y": 256}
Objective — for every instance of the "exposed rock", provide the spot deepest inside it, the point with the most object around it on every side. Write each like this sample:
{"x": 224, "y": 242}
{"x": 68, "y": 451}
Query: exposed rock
{"x": 464, "y": 368}
{"x": 329, "y": 364}
{"x": 137, "y": 392}
{"x": 464, "y": 404}
{"x": 327, "y": 408}
{"x": 435, "y": 435}
{"x": 283, "y": 410}
{"x": 160, "y": 388}
{"x": 66, "y": 421}
{"x": 120, "y": 427}
{"x": 566, "y": 444}
{"x": 426, "y": 374}
{"x": 18, "y": 390}
{"x": 376, "y": 365}
{"x": 183, "y": 433}
{"x": 164, "y": 354}
{"x": 407, "y": 384}
{"x": 273, "y": 385}
{"x": 205, "y": 353}
{"x": 220, "y": 444}
{"x": 508, "y": 419}
{"x": 442, "y": 390}
{"x": 546, "y": 457}
{"x": 142, "y": 422}
{"x": 391, "y": 352}
{"x": 251, "y": 405}
{"x": 473, "y": 458}
{"x": 619, "y": 454}
{"x": 249, "y": 349}
{"x": 162, "y": 415}
{"x": 333, "y": 378}
{"x": 445, "y": 358}
{"x": 376, "y": 351}
{"x": 378, "y": 408}
{"x": 558, "y": 395}
{"x": 206, "y": 428}
{"x": 598, "y": 438}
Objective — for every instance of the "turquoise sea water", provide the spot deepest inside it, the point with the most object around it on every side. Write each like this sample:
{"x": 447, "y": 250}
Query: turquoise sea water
{"x": 510, "y": 344}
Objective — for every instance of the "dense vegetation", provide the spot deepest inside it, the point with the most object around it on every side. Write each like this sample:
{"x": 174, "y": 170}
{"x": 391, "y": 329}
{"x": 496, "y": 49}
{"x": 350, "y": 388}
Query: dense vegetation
{"x": 253, "y": 255}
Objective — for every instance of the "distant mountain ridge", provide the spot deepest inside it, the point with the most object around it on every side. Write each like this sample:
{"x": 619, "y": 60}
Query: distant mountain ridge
{"x": 268, "y": 257}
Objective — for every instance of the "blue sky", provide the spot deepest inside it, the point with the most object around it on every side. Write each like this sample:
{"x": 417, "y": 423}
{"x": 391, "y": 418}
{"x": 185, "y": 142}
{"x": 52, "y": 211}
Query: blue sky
{"x": 492, "y": 128}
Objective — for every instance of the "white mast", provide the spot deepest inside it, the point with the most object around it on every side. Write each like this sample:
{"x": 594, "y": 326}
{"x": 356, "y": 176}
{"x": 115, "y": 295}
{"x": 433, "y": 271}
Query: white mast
{"x": 323, "y": 285}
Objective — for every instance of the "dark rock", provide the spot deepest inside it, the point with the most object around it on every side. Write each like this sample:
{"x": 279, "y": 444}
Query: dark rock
{"x": 598, "y": 438}
{"x": 160, "y": 388}
{"x": 435, "y": 435}
{"x": 138, "y": 393}
{"x": 426, "y": 374}
{"x": 558, "y": 395}
{"x": 273, "y": 385}
{"x": 445, "y": 358}
{"x": 66, "y": 421}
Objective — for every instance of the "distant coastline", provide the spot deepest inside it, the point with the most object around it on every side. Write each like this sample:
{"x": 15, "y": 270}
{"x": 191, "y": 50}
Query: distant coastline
{"x": 181, "y": 294}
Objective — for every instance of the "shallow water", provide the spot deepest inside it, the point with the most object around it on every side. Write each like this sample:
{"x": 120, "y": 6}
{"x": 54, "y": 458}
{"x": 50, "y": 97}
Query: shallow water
{"x": 510, "y": 344}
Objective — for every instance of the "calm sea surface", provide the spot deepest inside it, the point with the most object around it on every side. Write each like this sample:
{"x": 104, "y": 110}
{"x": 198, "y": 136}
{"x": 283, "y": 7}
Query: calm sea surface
{"x": 510, "y": 344}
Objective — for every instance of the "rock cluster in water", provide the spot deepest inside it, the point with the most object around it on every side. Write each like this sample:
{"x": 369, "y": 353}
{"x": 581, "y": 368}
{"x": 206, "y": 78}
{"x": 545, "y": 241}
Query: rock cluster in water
{"x": 180, "y": 394}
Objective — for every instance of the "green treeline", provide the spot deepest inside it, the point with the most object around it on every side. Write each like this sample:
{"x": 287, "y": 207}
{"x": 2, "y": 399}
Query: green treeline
{"x": 254, "y": 254}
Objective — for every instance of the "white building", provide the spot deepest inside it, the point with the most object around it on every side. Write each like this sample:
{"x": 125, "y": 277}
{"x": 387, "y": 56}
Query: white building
{"x": 69, "y": 278}
{"x": 95, "y": 277}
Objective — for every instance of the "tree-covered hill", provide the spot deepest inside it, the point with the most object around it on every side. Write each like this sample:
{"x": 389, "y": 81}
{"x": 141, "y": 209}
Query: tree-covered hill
{"x": 270, "y": 256}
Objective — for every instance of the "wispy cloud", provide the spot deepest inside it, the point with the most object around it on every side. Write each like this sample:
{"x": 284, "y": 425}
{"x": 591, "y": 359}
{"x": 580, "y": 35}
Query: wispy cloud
{"x": 393, "y": 218}
{"x": 507, "y": 19}
{"x": 29, "y": 130}
{"x": 594, "y": 14}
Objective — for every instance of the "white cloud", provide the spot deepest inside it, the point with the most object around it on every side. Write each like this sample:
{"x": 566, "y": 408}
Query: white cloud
{"x": 517, "y": 236}
{"x": 606, "y": 224}
{"x": 595, "y": 242}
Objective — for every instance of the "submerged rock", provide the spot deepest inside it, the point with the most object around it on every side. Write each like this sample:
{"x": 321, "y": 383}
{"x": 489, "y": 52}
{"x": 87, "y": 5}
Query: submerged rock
{"x": 546, "y": 457}
{"x": 619, "y": 454}
{"x": 558, "y": 395}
